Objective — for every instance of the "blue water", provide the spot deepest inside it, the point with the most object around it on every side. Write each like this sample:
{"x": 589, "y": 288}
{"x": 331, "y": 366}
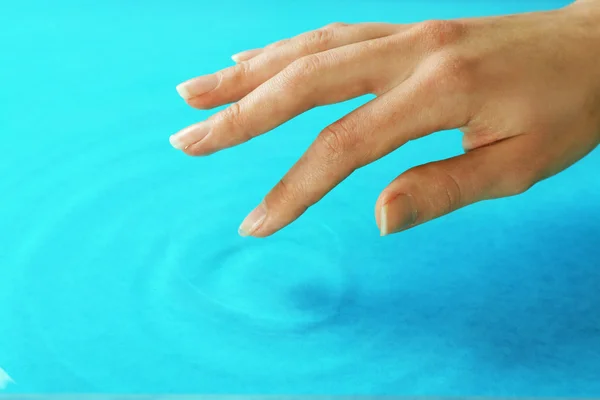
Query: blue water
{"x": 121, "y": 269}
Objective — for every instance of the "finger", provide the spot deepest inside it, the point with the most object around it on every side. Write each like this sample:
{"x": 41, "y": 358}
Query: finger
{"x": 328, "y": 77}
{"x": 324, "y": 78}
{"x": 433, "y": 190}
{"x": 277, "y": 44}
{"x": 359, "y": 138}
{"x": 233, "y": 83}
{"x": 246, "y": 55}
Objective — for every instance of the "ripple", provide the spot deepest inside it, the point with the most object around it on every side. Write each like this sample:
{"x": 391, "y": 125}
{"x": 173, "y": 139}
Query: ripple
{"x": 254, "y": 281}
{"x": 126, "y": 270}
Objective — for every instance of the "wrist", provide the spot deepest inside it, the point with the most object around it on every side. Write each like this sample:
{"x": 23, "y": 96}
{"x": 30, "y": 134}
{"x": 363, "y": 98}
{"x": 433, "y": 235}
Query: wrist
{"x": 586, "y": 22}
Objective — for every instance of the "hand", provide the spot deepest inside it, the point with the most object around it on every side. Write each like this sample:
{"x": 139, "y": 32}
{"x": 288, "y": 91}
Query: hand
{"x": 524, "y": 90}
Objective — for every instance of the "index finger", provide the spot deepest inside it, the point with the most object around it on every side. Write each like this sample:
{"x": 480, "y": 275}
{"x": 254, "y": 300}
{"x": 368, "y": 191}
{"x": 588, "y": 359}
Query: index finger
{"x": 361, "y": 137}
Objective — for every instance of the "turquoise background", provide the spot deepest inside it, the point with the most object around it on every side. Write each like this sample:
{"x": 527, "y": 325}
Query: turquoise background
{"x": 121, "y": 270}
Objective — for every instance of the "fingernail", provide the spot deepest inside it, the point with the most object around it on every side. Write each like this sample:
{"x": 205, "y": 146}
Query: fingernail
{"x": 245, "y": 55}
{"x": 397, "y": 214}
{"x": 197, "y": 86}
{"x": 253, "y": 221}
{"x": 190, "y": 135}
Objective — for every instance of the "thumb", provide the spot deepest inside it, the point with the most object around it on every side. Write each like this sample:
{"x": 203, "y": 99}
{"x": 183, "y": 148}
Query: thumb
{"x": 432, "y": 190}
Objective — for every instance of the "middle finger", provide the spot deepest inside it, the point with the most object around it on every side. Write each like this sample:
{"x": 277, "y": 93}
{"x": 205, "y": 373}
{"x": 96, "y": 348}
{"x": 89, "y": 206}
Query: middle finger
{"x": 324, "y": 78}
{"x": 233, "y": 83}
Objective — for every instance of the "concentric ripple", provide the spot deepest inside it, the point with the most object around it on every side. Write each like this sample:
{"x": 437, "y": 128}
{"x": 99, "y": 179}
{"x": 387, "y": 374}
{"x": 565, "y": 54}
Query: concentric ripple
{"x": 281, "y": 283}
{"x": 120, "y": 272}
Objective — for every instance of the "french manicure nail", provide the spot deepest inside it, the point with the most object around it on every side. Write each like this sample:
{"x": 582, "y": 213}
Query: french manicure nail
{"x": 397, "y": 214}
{"x": 253, "y": 221}
{"x": 383, "y": 221}
{"x": 245, "y": 55}
{"x": 190, "y": 135}
{"x": 197, "y": 86}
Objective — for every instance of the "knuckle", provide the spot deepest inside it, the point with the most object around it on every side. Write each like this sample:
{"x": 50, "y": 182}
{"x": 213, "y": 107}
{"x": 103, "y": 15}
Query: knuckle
{"x": 233, "y": 116}
{"x": 452, "y": 190}
{"x": 284, "y": 192}
{"x": 236, "y": 73}
{"x": 519, "y": 183}
{"x": 297, "y": 72}
{"x": 318, "y": 39}
{"x": 444, "y": 183}
{"x": 291, "y": 195}
{"x": 437, "y": 34}
{"x": 517, "y": 176}
{"x": 520, "y": 188}
{"x": 526, "y": 166}
{"x": 453, "y": 72}
{"x": 336, "y": 140}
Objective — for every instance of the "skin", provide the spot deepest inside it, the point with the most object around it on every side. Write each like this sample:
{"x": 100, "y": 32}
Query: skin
{"x": 524, "y": 89}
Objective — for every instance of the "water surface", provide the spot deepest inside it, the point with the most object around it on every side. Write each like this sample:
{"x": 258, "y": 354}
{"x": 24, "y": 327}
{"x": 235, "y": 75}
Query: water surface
{"x": 121, "y": 269}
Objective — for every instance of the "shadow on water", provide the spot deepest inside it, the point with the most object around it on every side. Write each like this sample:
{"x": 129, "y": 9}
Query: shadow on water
{"x": 528, "y": 309}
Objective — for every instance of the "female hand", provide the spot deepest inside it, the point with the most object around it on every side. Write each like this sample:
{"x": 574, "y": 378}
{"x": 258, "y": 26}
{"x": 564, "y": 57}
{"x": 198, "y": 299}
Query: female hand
{"x": 524, "y": 89}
